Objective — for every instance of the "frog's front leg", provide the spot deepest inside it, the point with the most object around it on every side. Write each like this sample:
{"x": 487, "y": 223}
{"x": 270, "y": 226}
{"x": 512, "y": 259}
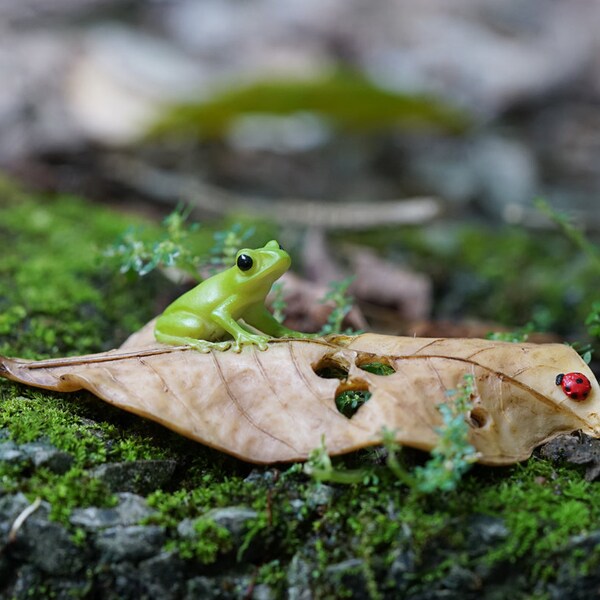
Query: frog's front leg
{"x": 223, "y": 317}
{"x": 187, "y": 329}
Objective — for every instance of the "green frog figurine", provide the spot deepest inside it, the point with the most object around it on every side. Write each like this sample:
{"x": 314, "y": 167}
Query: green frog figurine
{"x": 203, "y": 316}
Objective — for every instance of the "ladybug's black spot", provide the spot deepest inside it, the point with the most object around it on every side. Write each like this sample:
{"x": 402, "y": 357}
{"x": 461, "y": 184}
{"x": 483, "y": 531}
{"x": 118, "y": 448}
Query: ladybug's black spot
{"x": 559, "y": 378}
{"x": 567, "y": 388}
{"x": 575, "y": 395}
{"x": 579, "y": 380}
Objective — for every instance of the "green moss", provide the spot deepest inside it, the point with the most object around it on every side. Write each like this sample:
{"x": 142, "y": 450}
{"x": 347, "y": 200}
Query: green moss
{"x": 346, "y": 99}
{"x": 45, "y": 415}
{"x": 210, "y": 540}
{"x": 56, "y": 300}
{"x": 55, "y": 297}
{"x": 66, "y": 492}
{"x": 271, "y": 573}
{"x": 378, "y": 368}
{"x": 349, "y": 401}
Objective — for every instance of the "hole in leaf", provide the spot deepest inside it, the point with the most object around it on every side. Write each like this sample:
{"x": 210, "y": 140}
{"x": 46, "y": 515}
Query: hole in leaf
{"x": 478, "y": 418}
{"x": 378, "y": 365}
{"x": 331, "y": 367}
{"x": 351, "y": 395}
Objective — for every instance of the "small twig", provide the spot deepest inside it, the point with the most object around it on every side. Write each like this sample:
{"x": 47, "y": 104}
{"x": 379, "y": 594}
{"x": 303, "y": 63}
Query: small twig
{"x": 21, "y": 518}
{"x": 168, "y": 187}
{"x": 56, "y": 363}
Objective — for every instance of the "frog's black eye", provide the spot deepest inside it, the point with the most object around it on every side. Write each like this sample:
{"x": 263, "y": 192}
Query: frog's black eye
{"x": 281, "y": 247}
{"x": 244, "y": 262}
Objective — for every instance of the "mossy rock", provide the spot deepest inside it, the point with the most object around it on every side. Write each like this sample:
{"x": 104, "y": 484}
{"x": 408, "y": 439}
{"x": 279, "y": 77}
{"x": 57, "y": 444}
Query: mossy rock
{"x": 346, "y": 100}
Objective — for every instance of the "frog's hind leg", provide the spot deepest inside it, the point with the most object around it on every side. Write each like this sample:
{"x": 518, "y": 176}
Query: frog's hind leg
{"x": 186, "y": 329}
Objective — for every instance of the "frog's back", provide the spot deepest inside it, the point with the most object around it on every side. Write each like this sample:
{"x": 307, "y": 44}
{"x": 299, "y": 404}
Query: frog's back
{"x": 202, "y": 297}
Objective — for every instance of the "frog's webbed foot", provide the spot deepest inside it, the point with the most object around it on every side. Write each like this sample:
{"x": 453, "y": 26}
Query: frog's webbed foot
{"x": 205, "y": 347}
{"x": 260, "y": 341}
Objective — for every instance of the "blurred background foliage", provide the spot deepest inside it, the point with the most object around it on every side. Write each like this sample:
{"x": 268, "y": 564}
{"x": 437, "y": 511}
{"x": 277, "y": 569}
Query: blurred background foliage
{"x": 245, "y": 112}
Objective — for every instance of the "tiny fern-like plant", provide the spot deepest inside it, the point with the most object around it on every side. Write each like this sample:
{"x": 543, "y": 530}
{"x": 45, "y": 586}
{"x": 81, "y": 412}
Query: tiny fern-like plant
{"x": 342, "y": 305}
{"x": 133, "y": 254}
{"x": 279, "y": 304}
{"x": 226, "y": 245}
{"x": 452, "y": 456}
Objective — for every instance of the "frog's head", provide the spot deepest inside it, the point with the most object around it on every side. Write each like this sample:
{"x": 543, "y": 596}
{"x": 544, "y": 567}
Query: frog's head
{"x": 262, "y": 264}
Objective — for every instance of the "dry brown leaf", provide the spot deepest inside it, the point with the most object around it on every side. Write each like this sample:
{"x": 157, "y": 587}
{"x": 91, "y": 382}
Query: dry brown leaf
{"x": 272, "y": 406}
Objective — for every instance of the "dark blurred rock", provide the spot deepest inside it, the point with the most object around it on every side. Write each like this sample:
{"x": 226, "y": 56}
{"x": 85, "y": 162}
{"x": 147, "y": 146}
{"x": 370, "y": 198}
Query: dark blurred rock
{"x": 577, "y": 449}
{"x": 263, "y": 592}
{"x": 44, "y": 454}
{"x": 401, "y": 568}
{"x": 319, "y": 494}
{"x": 130, "y": 511}
{"x": 576, "y": 588}
{"x": 348, "y": 576}
{"x": 12, "y": 454}
{"x": 202, "y": 587}
{"x": 162, "y": 576}
{"x": 31, "y": 10}
{"x": 233, "y": 518}
{"x": 261, "y": 477}
{"x": 298, "y": 579}
{"x": 119, "y": 581}
{"x": 27, "y": 579}
{"x": 48, "y": 546}
{"x": 7, "y": 569}
{"x": 12, "y": 505}
{"x": 484, "y": 532}
{"x": 461, "y": 580}
{"x": 138, "y": 477}
{"x": 130, "y": 543}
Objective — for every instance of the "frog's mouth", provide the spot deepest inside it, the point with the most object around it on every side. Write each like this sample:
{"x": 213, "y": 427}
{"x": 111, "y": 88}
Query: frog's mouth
{"x": 280, "y": 265}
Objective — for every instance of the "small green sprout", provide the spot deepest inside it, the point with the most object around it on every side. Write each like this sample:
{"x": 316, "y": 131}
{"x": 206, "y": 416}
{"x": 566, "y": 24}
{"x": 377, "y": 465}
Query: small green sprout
{"x": 593, "y": 320}
{"x": 377, "y": 368}
{"x": 517, "y": 336}
{"x": 584, "y": 350}
{"x": 452, "y": 456}
{"x": 227, "y": 243}
{"x": 338, "y": 294}
{"x": 319, "y": 467}
{"x": 573, "y": 233}
{"x": 349, "y": 401}
{"x": 279, "y": 305}
{"x": 133, "y": 254}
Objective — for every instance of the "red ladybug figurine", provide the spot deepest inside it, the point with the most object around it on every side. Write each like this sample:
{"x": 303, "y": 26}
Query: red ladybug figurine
{"x": 575, "y": 385}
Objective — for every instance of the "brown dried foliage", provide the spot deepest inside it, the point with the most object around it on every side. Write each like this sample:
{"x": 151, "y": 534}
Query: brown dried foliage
{"x": 275, "y": 405}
